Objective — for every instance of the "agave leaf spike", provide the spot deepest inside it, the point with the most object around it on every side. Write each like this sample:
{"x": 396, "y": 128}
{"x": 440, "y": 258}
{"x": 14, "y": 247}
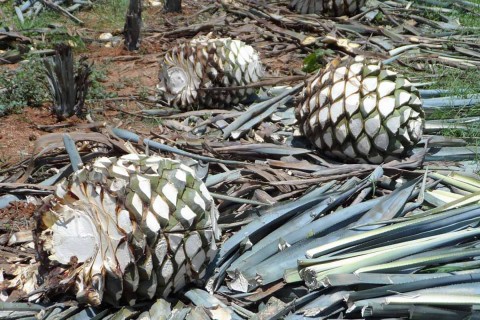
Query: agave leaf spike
{"x": 455, "y": 290}
{"x": 462, "y": 217}
{"x": 271, "y": 215}
{"x": 346, "y": 279}
{"x": 288, "y": 258}
{"x": 289, "y": 232}
{"x": 440, "y": 197}
{"x": 314, "y": 275}
{"x": 455, "y": 182}
{"x": 130, "y": 136}
{"x": 466, "y": 179}
{"x": 422, "y": 261}
{"x": 275, "y": 235}
{"x": 451, "y": 102}
{"x": 72, "y": 151}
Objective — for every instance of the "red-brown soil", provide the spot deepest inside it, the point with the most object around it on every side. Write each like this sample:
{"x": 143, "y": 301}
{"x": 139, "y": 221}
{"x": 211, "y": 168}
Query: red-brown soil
{"x": 127, "y": 74}
{"x": 18, "y": 216}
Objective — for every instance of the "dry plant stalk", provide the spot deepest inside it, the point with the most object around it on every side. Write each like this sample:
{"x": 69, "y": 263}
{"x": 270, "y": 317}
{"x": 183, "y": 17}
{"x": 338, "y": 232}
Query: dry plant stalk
{"x": 68, "y": 87}
{"x": 133, "y": 25}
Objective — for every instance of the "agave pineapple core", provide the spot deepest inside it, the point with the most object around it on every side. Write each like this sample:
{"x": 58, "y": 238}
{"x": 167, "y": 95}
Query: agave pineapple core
{"x": 356, "y": 110}
{"x": 207, "y": 63}
{"x": 329, "y": 8}
{"x": 132, "y": 228}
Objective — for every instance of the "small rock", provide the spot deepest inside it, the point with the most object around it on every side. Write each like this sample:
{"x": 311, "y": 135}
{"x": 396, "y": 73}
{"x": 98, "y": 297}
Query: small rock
{"x": 105, "y": 36}
{"x": 154, "y": 3}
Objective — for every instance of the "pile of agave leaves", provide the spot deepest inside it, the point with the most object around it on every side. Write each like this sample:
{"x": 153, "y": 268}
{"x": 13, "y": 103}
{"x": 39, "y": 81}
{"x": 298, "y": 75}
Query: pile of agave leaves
{"x": 304, "y": 237}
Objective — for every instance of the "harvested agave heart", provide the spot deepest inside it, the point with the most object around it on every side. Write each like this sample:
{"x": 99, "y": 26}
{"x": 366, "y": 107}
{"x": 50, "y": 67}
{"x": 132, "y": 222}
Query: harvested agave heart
{"x": 357, "y": 110}
{"x": 128, "y": 229}
{"x": 328, "y": 8}
{"x": 208, "y": 63}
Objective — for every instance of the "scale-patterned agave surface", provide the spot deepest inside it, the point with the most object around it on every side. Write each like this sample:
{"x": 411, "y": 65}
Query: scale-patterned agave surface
{"x": 208, "y": 63}
{"x": 130, "y": 228}
{"x": 357, "y": 110}
{"x": 329, "y": 8}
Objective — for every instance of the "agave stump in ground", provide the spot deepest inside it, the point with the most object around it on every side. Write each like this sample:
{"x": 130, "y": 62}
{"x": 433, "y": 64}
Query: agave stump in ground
{"x": 133, "y": 25}
{"x": 208, "y": 63}
{"x": 357, "y": 110}
{"x": 128, "y": 229}
{"x": 68, "y": 87}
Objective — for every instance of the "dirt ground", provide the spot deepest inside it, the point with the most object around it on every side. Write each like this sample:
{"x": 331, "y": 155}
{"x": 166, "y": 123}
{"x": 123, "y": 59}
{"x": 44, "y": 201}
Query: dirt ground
{"x": 127, "y": 74}
{"x": 18, "y": 132}
{"x": 18, "y": 216}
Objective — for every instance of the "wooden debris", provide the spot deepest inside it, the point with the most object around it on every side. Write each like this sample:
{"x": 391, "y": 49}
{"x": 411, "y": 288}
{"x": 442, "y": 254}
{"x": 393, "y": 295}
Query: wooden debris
{"x": 172, "y": 6}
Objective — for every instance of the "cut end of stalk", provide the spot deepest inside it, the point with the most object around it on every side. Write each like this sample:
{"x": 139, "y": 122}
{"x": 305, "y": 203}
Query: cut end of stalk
{"x": 239, "y": 282}
{"x": 367, "y": 311}
{"x": 310, "y": 277}
{"x": 311, "y": 254}
{"x": 352, "y": 308}
{"x": 73, "y": 235}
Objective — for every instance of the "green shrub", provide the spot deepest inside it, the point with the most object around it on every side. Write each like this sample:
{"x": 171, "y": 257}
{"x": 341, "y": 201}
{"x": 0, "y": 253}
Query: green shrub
{"x": 24, "y": 86}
